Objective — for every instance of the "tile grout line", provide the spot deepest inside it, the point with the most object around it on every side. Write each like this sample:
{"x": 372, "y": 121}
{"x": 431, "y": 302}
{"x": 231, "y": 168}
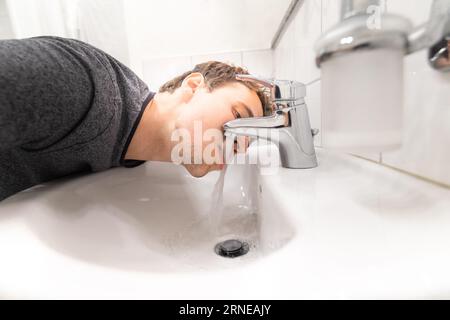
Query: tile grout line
{"x": 437, "y": 183}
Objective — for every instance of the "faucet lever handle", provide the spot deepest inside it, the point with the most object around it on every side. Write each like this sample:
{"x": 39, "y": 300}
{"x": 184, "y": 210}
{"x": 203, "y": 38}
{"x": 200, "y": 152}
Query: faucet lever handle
{"x": 268, "y": 83}
{"x": 281, "y": 91}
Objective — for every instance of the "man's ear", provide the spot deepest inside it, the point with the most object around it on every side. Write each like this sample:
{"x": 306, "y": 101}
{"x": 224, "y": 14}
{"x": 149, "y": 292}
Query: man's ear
{"x": 193, "y": 81}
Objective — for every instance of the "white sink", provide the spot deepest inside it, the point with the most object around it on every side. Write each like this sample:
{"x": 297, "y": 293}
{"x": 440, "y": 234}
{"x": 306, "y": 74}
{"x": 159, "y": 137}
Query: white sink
{"x": 154, "y": 218}
{"x": 347, "y": 229}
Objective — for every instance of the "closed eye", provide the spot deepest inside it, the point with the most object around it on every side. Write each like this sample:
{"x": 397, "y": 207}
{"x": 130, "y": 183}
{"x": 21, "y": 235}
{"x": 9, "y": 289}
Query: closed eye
{"x": 245, "y": 110}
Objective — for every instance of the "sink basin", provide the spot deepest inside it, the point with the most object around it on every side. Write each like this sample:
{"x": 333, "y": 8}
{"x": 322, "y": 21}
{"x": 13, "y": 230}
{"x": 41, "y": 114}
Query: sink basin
{"x": 153, "y": 218}
{"x": 347, "y": 229}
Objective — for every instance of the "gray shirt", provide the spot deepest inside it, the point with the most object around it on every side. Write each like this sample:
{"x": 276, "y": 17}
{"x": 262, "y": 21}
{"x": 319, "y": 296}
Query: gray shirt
{"x": 65, "y": 107}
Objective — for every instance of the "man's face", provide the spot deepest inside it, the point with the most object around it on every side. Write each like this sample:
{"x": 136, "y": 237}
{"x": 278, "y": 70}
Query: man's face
{"x": 207, "y": 109}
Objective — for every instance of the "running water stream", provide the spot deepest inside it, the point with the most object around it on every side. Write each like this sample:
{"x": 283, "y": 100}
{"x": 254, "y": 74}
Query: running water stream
{"x": 217, "y": 208}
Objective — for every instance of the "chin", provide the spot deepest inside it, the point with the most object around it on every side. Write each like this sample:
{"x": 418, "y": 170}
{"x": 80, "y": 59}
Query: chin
{"x": 199, "y": 170}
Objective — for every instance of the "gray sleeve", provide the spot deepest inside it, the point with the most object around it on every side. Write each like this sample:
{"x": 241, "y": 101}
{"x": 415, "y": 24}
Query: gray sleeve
{"x": 43, "y": 94}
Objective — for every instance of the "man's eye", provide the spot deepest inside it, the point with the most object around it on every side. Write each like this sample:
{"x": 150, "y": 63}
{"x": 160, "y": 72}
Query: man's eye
{"x": 237, "y": 115}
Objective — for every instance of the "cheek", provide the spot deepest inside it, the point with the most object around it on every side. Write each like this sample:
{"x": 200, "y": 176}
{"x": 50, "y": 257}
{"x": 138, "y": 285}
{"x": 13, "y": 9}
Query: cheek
{"x": 214, "y": 113}
{"x": 207, "y": 109}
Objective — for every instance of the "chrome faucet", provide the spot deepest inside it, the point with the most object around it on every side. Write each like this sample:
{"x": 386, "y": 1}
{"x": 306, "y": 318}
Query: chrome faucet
{"x": 288, "y": 125}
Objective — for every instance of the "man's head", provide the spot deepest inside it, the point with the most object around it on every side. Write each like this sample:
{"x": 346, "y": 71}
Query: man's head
{"x": 209, "y": 96}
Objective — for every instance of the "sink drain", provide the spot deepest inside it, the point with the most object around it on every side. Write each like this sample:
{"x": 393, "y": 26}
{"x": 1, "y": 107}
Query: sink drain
{"x": 231, "y": 248}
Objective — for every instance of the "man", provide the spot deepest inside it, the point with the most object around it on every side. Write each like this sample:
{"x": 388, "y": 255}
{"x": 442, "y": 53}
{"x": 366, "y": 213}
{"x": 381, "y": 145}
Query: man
{"x": 67, "y": 107}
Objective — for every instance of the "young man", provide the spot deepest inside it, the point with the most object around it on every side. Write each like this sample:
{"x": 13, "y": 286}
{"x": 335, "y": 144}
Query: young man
{"x": 67, "y": 107}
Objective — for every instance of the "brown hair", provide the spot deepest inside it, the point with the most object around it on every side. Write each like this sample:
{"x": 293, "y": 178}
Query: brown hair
{"x": 217, "y": 74}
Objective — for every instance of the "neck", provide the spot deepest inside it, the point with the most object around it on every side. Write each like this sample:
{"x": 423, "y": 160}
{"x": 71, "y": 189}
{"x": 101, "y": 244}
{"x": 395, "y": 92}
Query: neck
{"x": 151, "y": 140}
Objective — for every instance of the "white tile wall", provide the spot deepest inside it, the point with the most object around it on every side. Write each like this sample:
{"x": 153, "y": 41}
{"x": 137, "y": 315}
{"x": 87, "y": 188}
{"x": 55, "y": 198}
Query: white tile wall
{"x": 228, "y": 57}
{"x": 200, "y": 26}
{"x": 330, "y": 13}
{"x": 284, "y": 63}
{"x": 308, "y": 23}
{"x": 258, "y": 62}
{"x": 6, "y": 31}
{"x": 156, "y": 72}
{"x": 426, "y": 149}
{"x": 416, "y": 10}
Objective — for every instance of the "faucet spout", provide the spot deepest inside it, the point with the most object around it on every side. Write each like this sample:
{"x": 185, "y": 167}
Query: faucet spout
{"x": 258, "y": 127}
{"x": 276, "y": 120}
